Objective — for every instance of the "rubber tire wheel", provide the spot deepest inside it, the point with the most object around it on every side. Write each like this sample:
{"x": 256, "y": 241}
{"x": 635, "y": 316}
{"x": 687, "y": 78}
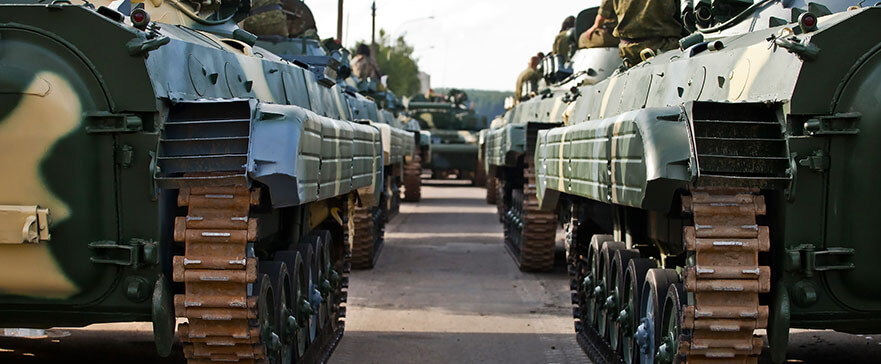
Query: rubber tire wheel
{"x": 593, "y": 257}
{"x": 672, "y": 316}
{"x": 265, "y": 298}
{"x": 307, "y": 254}
{"x": 605, "y": 316}
{"x": 297, "y": 283}
{"x": 634, "y": 278}
{"x": 277, "y": 271}
{"x": 657, "y": 281}
{"x": 618, "y": 266}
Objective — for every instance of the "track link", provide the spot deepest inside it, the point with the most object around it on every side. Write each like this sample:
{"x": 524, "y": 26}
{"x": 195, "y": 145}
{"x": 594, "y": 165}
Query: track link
{"x": 531, "y": 231}
{"x": 725, "y": 279}
{"x": 217, "y": 270}
{"x": 413, "y": 179}
{"x": 492, "y": 190}
{"x": 367, "y": 242}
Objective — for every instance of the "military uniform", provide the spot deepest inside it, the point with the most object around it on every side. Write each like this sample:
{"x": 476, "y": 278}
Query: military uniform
{"x": 365, "y": 67}
{"x": 643, "y": 24}
{"x": 529, "y": 75}
{"x": 601, "y": 37}
{"x": 267, "y": 17}
{"x": 561, "y": 45}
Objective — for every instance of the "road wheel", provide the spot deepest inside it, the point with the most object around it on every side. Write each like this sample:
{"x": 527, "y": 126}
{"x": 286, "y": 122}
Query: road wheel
{"x": 628, "y": 316}
{"x": 614, "y": 302}
{"x": 605, "y": 288}
{"x": 654, "y": 293}
{"x": 671, "y": 325}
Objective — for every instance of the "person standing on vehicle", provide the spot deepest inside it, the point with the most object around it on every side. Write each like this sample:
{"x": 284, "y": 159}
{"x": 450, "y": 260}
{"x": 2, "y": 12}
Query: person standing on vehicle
{"x": 529, "y": 75}
{"x": 645, "y": 27}
{"x": 364, "y": 66}
{"x": 561, "y": 42}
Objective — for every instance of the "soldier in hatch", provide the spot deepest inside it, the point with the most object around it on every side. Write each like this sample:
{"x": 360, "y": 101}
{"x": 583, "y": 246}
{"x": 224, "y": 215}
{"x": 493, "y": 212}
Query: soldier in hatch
{"x": 530, "y": 75}
{"x": 363, "y": 65}
{"x": 600, "y": 36}
{"x": 561, "y": 42}
{"x": 642, "y": 25}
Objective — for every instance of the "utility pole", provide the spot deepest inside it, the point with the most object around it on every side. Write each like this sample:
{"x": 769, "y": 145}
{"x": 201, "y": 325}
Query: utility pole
{"x": 339, "y": 23}
{"x": 373, "y": 29}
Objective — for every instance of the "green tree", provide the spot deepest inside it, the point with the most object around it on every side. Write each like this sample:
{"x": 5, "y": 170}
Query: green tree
{"x": 395, "y": 59}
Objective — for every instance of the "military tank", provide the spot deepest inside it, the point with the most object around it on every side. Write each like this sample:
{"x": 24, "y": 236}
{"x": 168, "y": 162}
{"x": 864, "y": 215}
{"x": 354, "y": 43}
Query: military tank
{"x": 508, "y": 146}
{"x": 725, "y": 187}
{"x": 172, "y": 169}
{"x": 363, "y": 103}
{"x": 453, "y": 128}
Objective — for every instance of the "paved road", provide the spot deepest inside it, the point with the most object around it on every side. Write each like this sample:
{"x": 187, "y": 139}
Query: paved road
{"x": 445, "y": 290}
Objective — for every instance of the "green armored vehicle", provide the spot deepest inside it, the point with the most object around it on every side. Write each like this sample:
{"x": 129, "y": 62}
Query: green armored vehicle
{"x": 328, "y": 58}
{"x": 507, "y": 147}
{"x": 174, "y": 169}
{"x": 725, "y": 187}
{"x": 453, "y": 127}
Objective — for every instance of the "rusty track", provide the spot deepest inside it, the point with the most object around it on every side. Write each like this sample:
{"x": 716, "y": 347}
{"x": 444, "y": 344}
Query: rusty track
{"x": 216, "y": 271}
{"x": 535, "y": 229}
{"x": 219, "y": 272}
{"x": 413, "y": 179}
{"x": 492, "y": 189}
{"x": 367, "y": 242}
{"x": 725, "y": 279}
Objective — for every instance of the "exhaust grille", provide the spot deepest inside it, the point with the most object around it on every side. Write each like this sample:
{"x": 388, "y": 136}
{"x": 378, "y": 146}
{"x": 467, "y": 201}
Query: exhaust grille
{"x": 204, "y": 144}
{"x": 739, "y": 145}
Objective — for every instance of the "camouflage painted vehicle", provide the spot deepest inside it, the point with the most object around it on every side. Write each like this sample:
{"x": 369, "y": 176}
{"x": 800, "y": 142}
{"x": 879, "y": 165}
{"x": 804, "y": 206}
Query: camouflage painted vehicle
{"x": 725, "y": 187}
{"x": 421, "y": 155}
{"x": 331, "y": 61}
{"x": 508, "y": 148}
{"x": 174, "y": 169}
{"x": 453, "y": 127}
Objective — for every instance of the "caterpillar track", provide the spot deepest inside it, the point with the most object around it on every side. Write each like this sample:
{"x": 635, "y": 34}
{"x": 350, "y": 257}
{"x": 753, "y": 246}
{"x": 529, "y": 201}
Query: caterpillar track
{"x": 367, "y": 242}
{"x": 722, "y": 281}
{"x": 725, "y": 279}
{"x": 492, "y": 190}
{"x": 413, "y": 179}
{"x": 529, "y": 231}
{"x": 229, "y": 315}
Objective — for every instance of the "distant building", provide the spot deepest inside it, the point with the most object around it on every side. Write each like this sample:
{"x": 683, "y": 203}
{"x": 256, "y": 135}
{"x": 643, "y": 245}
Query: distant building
{"x": 424, "y": 82}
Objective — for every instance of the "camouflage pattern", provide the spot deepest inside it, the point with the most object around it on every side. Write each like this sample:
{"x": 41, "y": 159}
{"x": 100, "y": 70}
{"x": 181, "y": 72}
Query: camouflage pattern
{"x": 640, "y": 137}
{"x": 267, "y": 18}
{"x": 104, "y": 163}
{"x": 639, "y": 19}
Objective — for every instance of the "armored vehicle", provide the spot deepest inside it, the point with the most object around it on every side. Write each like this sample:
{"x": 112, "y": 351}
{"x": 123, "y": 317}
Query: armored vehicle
{"x": 166, "y": 168}
{"x": 725, "y": 187}
{"x": 508, "y": 147}
{"x": 453, "y": 127}
{"x": 362, "y": 103}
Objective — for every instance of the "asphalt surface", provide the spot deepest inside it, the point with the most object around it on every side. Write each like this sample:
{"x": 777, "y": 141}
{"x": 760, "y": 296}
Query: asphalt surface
{"x": 444, "y": 291}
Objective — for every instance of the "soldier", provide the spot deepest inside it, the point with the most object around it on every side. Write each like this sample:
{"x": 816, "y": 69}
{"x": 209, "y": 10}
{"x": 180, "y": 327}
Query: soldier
{"x": 600, "y": 37}
{"x": 642, "y": 25}
{"x": 363, "y": 65}
{"x": 561, "y": 42}
{"x": 531, "y": 75}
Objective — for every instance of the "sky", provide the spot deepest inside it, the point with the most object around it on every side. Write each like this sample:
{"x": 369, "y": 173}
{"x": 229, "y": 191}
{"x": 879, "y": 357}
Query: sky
{"x": 478, "y": 44}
